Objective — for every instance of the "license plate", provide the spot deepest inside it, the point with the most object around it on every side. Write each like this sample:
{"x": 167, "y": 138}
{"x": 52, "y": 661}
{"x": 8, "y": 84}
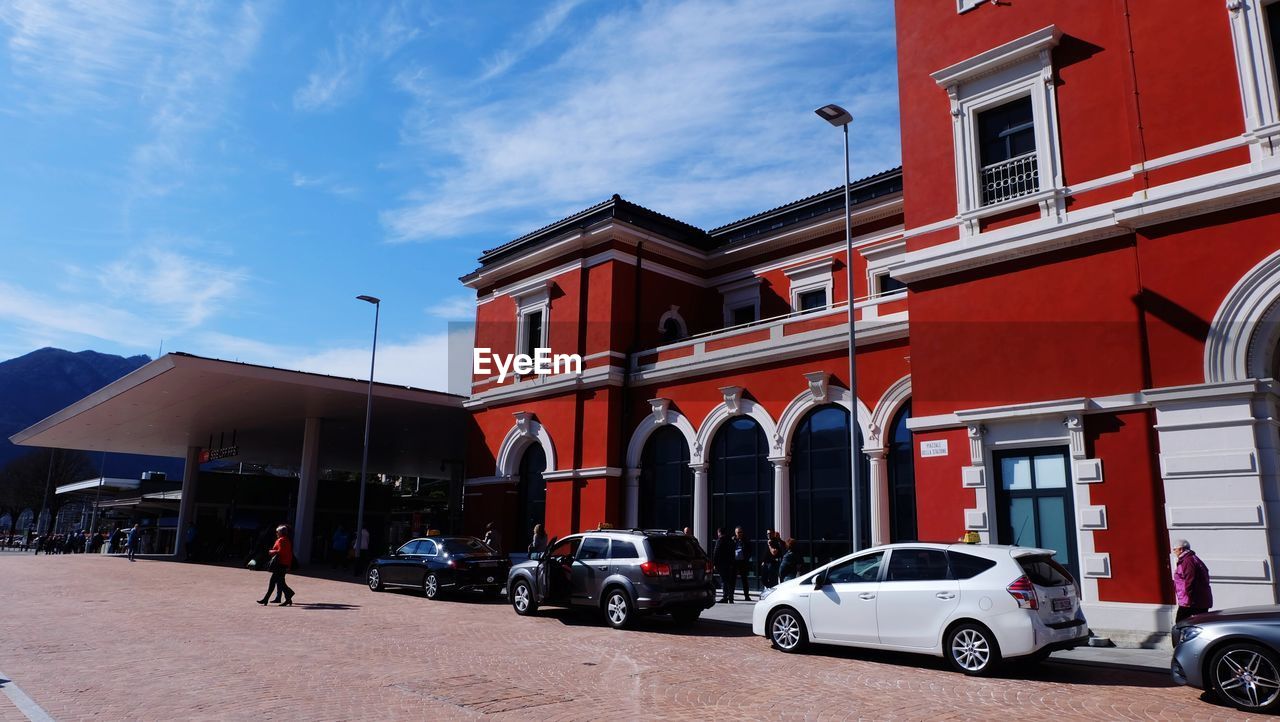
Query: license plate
{"x": 684, "y": 574}
{"x": 1062, "y": 605}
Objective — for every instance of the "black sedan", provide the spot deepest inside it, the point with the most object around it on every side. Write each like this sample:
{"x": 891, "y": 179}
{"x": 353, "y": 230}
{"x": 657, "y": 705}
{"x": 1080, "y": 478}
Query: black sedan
{"x": 1234, "y": 654}
{"x": 439, "y": 564}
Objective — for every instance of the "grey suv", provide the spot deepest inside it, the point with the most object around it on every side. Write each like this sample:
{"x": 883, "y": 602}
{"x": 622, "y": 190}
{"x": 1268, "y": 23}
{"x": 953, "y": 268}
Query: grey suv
{"x": 623, "y": 573}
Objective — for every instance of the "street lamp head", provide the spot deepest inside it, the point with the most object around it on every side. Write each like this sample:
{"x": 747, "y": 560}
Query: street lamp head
{"x": 369, "y": 299}
{"x": 834, "y": 115}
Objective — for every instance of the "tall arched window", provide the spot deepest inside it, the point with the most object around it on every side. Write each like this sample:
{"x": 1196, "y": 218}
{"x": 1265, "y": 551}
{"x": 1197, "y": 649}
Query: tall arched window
{"x": 821, "y": 492}
{"x": 531, "y": 495}
{"x": 902, "y": 479}
{"x": 666, "y": 481}
{"x": 742, "y": 480}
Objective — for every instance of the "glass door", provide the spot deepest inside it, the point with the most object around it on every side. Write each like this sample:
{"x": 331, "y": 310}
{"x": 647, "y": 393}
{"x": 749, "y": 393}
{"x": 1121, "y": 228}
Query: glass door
{"x": 1033, "y": 502}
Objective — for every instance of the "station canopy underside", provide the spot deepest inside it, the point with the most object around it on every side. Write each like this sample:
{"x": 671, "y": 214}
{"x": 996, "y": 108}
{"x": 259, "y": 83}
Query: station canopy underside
{"x": 179, "y": 401}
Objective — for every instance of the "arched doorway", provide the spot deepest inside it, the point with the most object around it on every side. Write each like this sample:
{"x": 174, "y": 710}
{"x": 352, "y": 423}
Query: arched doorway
{"x": 821, "y": 492}
{"x": 666, "y": 481}
{"x": 741, "y": 481}
{"x": 531, "y": 496}
{"x": 902, "y": 479}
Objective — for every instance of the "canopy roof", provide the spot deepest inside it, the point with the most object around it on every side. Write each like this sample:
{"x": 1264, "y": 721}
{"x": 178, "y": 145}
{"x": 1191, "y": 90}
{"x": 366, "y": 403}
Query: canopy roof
{"x": 179, "y": 400}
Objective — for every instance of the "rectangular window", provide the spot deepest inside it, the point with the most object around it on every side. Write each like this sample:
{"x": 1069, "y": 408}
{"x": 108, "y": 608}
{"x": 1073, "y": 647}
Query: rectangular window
{"x": 917, "y": 565}
{"x": 888, "y": 284}
{"x": 1007, "y": 151}
{"x": 532, "y": 333}
{"x": 623, "y": 550}
{"x": 813, "y": 300}
{"x": 593, "y": 548}
{"x": 742, "y": 314}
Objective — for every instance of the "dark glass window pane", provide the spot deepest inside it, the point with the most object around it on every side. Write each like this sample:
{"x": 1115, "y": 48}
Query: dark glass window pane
{"x": 1006, "y": 132}
{"x": 888, "y": 284}
{"x": 917, "y": 565}
{"x": 674, "y": 548}
{"x": 902, "y": 479}
{"x": 1044, "y": 571}
{"x": 742, "y": 314}
{"x": 532, "y": 332}
{"x": 967, "y": 566}
{"x": 594, "y": 547}
{"x": 532, "y": 494}
{"x": 822, "y": 495}
{"x": 666, "y": 481}
{"x": 742, "y": 481}
{"x": 408, "y": 548}
{"x": 1273, "y": 33}
{"x": 859, "y": 569}
{"x": 623, "y": 550}
{"x": 813, "y": 300}
{"x": 428, "y": 547}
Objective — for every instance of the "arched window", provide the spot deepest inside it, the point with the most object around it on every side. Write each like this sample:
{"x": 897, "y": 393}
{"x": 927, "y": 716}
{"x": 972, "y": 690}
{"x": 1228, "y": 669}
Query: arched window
{"x": 531, "y": 495}
{"x": 742, "y": 481}
{"x": 902, "y": 479}
{"x": 671, "y": 331}
{"x": 666, "y": 481}
{"x": 821, "y": 492}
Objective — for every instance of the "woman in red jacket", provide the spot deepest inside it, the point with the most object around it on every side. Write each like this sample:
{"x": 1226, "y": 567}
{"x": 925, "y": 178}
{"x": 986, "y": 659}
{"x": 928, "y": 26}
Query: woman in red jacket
{"x": 281, "y": 559}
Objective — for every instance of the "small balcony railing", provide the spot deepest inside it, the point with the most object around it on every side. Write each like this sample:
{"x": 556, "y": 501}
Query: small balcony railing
{"x": 1009, "y": 179}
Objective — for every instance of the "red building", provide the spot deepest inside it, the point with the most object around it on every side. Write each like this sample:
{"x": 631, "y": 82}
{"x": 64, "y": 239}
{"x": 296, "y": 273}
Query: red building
{"x": 1068, "y": 313}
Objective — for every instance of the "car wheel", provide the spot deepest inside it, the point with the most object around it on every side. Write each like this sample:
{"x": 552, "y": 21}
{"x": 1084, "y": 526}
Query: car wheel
{"x": 786, "y": 630}
{"x": 375, "y": 579}
{"x": 685, "y": 616}
{"x": 1246, "y": 676}
{"x": 972, "y": 649}
{"x": 617, "y": 609}
{"x": 431, "y": 585}
{"x": 522, "y": 598}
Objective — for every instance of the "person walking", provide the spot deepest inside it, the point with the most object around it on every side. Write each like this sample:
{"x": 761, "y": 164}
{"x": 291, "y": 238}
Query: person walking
{"x": 722, "y": 556}
{"x": 278, "y": 564}
{"x": 134, "y": 539}
{"x": 492, "y": 538}
{"x": 360, "y": 545}
{"x": 742, "y": 561}
{"x": 789, "y": 564}
{"x": 1190, "y": 582}
{"x": 539, "y": 542}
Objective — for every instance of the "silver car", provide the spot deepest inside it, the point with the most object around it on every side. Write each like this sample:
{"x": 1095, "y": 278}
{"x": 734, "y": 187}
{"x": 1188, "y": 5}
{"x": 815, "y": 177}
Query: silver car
{"x": 1233, "y": 654}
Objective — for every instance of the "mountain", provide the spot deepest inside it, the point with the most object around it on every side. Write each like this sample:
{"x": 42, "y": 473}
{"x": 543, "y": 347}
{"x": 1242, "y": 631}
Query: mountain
{"x": 42, "y": 382}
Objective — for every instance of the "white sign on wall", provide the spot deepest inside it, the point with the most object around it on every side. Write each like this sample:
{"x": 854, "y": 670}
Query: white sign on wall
{"x": 933, "y": 448}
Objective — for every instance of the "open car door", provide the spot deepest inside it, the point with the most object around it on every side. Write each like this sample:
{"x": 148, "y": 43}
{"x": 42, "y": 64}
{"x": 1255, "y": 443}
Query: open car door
{"x": 542, "y": 574}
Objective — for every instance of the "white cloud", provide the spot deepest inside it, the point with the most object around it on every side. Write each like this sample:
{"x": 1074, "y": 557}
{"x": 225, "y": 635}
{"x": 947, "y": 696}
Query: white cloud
{"x": 455, "y": 308}
{"x": 327, "y": 183}
{"x": 699, "y": 110}
{"x": 340, "y": 71}
{"x": 529, "y": 40}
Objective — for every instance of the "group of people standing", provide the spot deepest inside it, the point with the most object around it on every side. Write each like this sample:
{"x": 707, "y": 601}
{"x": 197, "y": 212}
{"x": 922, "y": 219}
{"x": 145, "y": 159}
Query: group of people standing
{"x": 732, "y": 557}
{"x": 87, "y": 542}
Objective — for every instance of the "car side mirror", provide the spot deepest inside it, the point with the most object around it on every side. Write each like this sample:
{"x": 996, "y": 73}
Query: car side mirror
{"x": 820, "y": 581}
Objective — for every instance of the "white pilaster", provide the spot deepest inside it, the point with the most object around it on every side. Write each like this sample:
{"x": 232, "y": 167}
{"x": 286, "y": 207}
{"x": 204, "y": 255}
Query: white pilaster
{"x": 633, "y": 498}
{"x": 781, "y": 495}
{"x": 187, "y": 505}
{"x": 701, "y": 505}
{"x": 879, "y": 486}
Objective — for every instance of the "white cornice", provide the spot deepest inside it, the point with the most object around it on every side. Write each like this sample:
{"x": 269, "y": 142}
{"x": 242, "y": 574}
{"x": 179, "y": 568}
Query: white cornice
{"x": 1011, "y": 53}
{"x": 546, "y": 386}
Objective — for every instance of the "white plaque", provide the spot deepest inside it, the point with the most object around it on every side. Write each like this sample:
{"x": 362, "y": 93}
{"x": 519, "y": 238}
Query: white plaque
{"x": 933, "y": 448}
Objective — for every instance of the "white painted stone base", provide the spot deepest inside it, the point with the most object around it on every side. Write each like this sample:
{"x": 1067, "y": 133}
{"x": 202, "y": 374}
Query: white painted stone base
{"x": 1130, "y": 624}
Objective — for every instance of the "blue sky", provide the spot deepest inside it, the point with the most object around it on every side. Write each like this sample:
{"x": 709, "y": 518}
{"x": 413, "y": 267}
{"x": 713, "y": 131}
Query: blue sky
{"x": 224, "y": 177}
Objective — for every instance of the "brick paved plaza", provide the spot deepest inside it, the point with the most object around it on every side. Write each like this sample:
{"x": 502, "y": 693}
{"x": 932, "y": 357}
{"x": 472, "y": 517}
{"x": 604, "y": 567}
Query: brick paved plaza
{"x": 92, "y": 636}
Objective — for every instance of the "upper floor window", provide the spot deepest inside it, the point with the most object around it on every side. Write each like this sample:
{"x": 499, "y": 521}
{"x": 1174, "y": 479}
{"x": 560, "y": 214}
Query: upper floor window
{"x": 533, "y": 311}
{"x": 811, "y": 284}
{"x": 813, "y": 300}
{"x": 741, "y": 301}
{"x": 1255, "y": 34}
{"x": 1007, "y": 149}
{"x": 886, "y": 284}
{"x": 532, "y": 337}
{"x": 741, "y": 315}
{"x": 1005, "y": 130}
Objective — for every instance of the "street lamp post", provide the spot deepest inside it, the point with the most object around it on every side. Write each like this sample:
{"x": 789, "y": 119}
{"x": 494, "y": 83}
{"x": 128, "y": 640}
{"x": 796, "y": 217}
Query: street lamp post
{"x": 840, "y": 117}
{"x": 368, "y": 417}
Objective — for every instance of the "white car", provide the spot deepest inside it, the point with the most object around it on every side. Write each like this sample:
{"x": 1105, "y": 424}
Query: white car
{"x": 972, "y": 604}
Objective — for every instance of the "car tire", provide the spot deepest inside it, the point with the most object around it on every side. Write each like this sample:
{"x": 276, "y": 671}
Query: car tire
{"x": 618, "y": 610}
{"x": 1236, "y": 671}
{"x": 686, "y": 616}
{"x": 972, "y": 649}
{"x": 786, "y": 630}
{"x": 374, "y": 579}
{"x": 522, "y": 598}
{"x": 431, "y": 585}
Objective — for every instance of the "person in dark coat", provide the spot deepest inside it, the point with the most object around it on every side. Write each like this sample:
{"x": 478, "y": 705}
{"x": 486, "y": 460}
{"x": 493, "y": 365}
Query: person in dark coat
{"x": 722, "y": 557}
{"x": 1190, "y": 582}
{"x": 742, "y": 561}
{"x": 134, "y": 540}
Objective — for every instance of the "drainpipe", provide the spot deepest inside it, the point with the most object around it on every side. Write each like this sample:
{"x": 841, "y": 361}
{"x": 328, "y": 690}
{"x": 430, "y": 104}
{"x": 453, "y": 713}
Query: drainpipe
{"x": 625, "y": 405}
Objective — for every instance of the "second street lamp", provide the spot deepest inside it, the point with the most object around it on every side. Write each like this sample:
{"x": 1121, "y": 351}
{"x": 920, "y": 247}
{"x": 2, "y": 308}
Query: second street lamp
{"x": 368, "y": 417}
{"x": 840, "y": 117}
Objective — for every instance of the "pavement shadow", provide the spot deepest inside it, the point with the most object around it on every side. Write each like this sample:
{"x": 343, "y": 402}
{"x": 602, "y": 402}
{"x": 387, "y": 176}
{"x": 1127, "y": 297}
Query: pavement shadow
{"x": 1058, "y": 672}
{"x": 327, "y": 605}
{"x": 648, "y": 624}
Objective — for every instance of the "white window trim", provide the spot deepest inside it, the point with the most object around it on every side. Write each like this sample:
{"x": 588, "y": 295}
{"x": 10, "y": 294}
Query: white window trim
{"x": 738, "y": 294}
{"x": 813, "y": 276}
{"x": 532, "y": 298}
{"x": 1257, "y": 75}
{"x": 1022, "y": 67}
{"x": 673, "y": 313}
{"x": 963, "y": 6}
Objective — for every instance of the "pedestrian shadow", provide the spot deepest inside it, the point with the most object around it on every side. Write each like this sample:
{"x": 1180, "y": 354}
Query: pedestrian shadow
{"x": 327, "y": 605}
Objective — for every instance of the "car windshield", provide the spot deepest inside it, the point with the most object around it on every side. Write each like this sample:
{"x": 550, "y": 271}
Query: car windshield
{"x": 679, "y": 548}
{"x": 1043, "y": 571}
{"x": 464, "y": 546}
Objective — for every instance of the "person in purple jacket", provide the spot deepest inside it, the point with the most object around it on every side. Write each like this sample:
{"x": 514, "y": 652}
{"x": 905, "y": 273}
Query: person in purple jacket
{"x": 1190, "y": 582}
